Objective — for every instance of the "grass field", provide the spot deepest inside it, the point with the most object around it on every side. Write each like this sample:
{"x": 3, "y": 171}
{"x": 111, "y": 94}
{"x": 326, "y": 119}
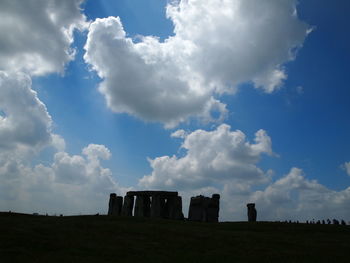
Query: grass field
{"x": 27, "y": 238}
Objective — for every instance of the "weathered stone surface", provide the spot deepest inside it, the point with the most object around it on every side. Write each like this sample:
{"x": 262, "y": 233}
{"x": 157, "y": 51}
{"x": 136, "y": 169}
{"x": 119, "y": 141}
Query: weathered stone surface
{"x": 152, "y": 193}
{"x": 174, "y": 208}
{"x": 128, "y": 205}
{"x": 196, "y": 210}
{"x": 115, "y": 204}
{"x": 213, "y": 208}
{"x": 251, "y": 212}
{"x": 158, "y": 206}
{"x": 204, "y": 209}
{"x": 142, "y": 206}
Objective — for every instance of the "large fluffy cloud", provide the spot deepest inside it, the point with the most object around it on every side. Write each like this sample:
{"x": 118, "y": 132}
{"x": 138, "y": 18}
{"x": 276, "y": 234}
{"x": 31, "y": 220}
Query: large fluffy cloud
{"x": 216, "y": 45}
{"x": 25, "y": 124}
{"x": 37, "y": 34}
{"x": 211, "y": 157}
{"x": 71, "y": 184}
{"x": 143, "y": 79}
{"x": 295, "y": 197}
{"x": 225, "y": 162}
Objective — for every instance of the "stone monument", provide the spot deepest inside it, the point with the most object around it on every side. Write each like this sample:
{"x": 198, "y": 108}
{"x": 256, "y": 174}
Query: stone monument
{"x": 161, "y": 204}
{"x": 251, "y": 212}
{"x": 204, "y": 209}
{"x": 115, "y": 204}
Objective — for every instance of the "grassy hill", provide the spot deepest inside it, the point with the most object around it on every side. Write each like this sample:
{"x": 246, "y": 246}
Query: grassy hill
{"x": 27, "y": 238}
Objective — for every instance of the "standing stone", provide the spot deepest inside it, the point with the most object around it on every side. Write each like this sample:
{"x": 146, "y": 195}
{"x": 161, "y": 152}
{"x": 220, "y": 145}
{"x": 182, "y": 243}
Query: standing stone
{"x": 196, "y": 210}
{"x": 119, "y": 205}
{"x": 204, "y": 209}
{"x": 128, "y": 205}
{"x": 115, "y": 204}
{"x": 213, "y": 208}
{"x": 142, "y": 206}
{"x": 157, "y": 206}
{"x": 174, "y": 208}
{"x": 251, "y": 212}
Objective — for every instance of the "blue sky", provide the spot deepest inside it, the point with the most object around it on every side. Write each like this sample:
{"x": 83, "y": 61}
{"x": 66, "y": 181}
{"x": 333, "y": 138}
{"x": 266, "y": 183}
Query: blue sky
{"x": 304, "y": 114}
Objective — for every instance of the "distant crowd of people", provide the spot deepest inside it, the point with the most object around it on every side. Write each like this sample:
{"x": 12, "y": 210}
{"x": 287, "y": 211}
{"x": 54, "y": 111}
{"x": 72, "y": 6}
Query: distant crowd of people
{"x": 320, "y": 222}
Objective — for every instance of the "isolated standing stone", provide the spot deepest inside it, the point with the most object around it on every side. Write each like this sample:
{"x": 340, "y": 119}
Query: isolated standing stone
{"x": 251, "y": 212}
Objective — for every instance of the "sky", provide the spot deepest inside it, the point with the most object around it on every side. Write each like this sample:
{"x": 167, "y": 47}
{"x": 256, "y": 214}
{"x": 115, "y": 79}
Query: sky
{"x": 245, "y": 98}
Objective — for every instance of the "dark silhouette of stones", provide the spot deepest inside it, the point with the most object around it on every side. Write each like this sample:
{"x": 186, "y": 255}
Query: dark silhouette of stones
{"x": 158, "y": 206}
{"x": 173, "y": 208}
{"x": 343, "y": 223}
{"x": 142, "y": 206}
{"x": 251, "y": 212}
{"x": 335, "y": 222}
{"x": 128, "y": 205}
{"x": 213, "y": 208}
{"x": 196, "y": 210}
{"x": 115, "y": 204}
{"x": 204, "y": 209}
{"x": 161, "y": 204}
{"x": 151, "y": 193}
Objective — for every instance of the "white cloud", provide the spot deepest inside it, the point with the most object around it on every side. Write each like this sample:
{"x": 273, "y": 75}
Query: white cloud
{"x": 295, "y": 197}
{"x": 179, "y": 134}
{"x": 142, "y": 79}
{"x": 223, "y": 161}
{"x": 25, "y": 124}
{"x": 346, "y": 167}
{"x": 212, "y": 157}
{"x": 217, "y": 45}
{"x": 37, "y": 35}
{"x": 71, "y": 184}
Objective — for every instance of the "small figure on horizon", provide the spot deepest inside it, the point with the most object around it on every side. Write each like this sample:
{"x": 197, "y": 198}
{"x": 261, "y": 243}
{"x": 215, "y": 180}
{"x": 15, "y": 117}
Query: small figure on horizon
{"x": 251, "y": 212}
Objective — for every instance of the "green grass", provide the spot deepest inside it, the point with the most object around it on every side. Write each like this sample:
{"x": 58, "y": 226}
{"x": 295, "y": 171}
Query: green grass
{"x": 26, "y": 238}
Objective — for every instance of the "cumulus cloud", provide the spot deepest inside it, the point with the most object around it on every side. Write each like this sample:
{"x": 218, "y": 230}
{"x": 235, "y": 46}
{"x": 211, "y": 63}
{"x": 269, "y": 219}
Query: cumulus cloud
{"x": 295, "y": 197}
{"x": 212, "y": 157}
{"x": 37, "y": 35}
{"x": 71, "y": 184}
{"x": 142, "y": 79}
{"x": 216, "y": 45}
{"x": 225, "y": 162}
{"x": 35, "y": 45}
{"x": 25, "y": 124}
